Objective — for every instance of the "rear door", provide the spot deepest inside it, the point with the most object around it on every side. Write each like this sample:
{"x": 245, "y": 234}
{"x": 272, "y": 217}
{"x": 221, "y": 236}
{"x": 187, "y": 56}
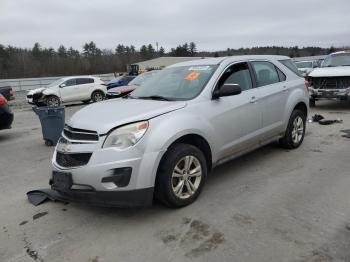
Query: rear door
{"x": 237, "y": 118}
{"x": 273, "y": 89}
{"x": 85, "y": 87}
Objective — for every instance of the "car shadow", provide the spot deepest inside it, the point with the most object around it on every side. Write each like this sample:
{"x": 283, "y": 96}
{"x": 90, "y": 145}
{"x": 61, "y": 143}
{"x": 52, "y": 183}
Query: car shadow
{"x": 334, "y": 106}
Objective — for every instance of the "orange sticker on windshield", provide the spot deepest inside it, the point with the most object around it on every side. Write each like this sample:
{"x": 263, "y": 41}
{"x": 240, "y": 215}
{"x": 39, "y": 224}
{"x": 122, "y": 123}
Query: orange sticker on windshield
{"x": 192, "y": 76}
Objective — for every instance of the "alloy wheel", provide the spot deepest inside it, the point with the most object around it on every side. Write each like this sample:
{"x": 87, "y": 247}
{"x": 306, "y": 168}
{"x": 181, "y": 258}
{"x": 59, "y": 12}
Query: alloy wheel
{"x": 186, "y": 177}
{"x": 298, "y": 130}
{"x": 98, "y": 97}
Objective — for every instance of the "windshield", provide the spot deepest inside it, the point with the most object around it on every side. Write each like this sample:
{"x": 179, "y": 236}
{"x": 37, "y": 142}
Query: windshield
{"x": 336, "y": 60}
{"x": 141, "y": 78}
{"x": 176, "y": 83}
{"x": 305, "y": 64}
{"x": 56, "y": 83}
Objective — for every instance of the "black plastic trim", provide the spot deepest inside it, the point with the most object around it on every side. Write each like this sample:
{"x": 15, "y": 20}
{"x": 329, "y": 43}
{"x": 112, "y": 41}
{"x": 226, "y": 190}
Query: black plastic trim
{"x": 131, "y": 198}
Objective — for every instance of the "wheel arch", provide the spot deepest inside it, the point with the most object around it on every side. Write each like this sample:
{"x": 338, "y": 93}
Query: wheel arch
{"x": 302, "y": 107}
{"x": 198, "y": 141}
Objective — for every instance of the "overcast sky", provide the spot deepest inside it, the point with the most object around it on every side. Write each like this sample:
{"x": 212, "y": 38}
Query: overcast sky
{"x": 212, "y": 25}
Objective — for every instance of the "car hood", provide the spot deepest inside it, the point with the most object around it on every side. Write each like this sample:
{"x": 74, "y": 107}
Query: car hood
{"x": 103, "y": 116}
{"x": 121, "y": 88}
{"x": 37, "y": 90}
{"x": 331, "y": 71}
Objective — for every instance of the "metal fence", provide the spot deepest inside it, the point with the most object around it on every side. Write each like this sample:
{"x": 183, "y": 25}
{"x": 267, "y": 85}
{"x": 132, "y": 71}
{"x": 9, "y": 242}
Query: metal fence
{"x": 32, "y": 83}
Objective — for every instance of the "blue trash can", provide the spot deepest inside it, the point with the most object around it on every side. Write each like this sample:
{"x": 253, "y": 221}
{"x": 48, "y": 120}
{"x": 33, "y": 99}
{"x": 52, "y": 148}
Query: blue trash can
{"x": 52, "y": 123}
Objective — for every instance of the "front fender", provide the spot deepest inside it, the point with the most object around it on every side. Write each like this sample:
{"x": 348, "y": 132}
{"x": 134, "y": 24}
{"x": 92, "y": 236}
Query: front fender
{"x": 166, "y": 129}
{"x": 50, "y": 92}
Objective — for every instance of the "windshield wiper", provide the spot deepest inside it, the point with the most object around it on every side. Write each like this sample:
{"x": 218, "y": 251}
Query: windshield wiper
{"x": 155, "y": 97}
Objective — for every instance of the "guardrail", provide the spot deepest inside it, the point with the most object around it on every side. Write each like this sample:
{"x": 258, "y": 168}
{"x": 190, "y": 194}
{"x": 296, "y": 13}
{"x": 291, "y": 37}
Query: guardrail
{"x": 20, "y": 84}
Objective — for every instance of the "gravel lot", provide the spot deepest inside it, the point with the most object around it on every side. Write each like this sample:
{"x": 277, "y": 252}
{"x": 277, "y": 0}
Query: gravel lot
{"x": 269, "y": 205}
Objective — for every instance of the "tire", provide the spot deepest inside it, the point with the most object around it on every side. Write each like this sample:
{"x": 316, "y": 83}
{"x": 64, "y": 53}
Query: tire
{"x": 312, "y": 102}
{"x": 53, "y": 101}
{"x": 295, "y": 132}
{"x": 97, "y": 96}
{"x": 48, "y": 143}
{"x": 175, "y": 186}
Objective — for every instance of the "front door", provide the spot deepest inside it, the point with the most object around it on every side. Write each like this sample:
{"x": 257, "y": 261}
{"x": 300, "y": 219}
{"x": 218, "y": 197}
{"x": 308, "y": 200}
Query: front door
{"x": 68, "y": 90}
{"x": 237, "y": 118}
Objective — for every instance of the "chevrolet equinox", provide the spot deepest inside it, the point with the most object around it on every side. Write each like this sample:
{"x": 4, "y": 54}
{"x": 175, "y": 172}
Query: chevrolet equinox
{"x": 162, "y": 139}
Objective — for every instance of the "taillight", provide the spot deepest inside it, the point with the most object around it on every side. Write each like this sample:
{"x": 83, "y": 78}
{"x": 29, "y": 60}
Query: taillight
{"x": 307, "y": 84}
{"x": 3, "y": 101}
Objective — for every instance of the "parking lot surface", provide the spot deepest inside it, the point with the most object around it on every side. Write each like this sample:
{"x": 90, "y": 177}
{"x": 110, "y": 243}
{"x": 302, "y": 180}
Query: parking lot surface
{"x": 269, "y": 205}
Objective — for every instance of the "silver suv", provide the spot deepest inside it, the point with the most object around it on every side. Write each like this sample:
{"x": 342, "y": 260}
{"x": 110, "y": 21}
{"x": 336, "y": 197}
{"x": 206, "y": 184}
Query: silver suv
{"x": 163, "y": 139}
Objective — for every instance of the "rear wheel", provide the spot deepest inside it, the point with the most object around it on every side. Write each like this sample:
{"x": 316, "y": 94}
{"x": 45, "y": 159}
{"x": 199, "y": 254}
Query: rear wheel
{"x": 97, "y": 96}
{"x": 295, "y": 132}
{"x": 181, "y": 175}
{"x": 53, "y": 101}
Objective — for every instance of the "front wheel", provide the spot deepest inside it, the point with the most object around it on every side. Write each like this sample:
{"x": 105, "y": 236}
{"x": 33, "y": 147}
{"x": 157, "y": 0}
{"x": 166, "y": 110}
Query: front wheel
{"x": 295, "y": 132}
{"x": 97, "y": 96}
{"x": 53, "y": 101}
{"x": 181, "y": 175}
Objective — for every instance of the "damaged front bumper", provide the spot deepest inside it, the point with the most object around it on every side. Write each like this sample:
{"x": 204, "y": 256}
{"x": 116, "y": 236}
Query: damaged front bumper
{"x": 341, "y": 94}
{"x": 36, "y": 98}
{"x": 88, "y": 173}
{"x": 130, "y": 198}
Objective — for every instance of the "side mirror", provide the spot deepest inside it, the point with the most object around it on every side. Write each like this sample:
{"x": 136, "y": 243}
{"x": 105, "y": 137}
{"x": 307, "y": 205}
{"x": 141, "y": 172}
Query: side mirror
{"x": 227, "y": 90}
{"x": 62, "y": 85}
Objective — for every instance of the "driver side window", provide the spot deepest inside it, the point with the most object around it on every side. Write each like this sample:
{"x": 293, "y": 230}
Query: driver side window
{"x": 237, "y": 74}
{"x": 70, "y": 82}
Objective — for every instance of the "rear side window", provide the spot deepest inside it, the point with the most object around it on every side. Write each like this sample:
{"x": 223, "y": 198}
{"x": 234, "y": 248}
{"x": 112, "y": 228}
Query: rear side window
{"x": 291, "y": 66}
{"x": 81, "y": 81}
{"x": 266, "y": 73}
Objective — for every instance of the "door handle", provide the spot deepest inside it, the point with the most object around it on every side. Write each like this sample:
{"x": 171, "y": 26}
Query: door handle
{"x": 253, "y": 99}
{"x": 284, "y": 89}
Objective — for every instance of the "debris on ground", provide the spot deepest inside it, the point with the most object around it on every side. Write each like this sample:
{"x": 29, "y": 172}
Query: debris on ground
{"x": 347, "y": 133}
{"x": 316, "y": 118}
{"x": 320, "y": 119}
{"x": 37, "y": 197}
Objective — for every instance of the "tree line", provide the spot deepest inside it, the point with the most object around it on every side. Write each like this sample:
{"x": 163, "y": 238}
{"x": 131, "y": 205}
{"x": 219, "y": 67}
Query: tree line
{"x": 40, "y": 61}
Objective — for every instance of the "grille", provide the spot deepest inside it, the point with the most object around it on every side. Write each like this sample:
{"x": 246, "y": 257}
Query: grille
{"x": 331, "y": 82}
{"x": 80, "y": 134}
{"x": 72, "y": 160}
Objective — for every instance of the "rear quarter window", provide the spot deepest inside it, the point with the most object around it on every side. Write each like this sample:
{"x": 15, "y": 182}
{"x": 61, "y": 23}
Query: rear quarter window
{"x": 291, "y": 66}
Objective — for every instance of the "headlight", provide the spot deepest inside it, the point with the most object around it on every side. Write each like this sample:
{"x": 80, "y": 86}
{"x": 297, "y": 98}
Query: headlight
{"x": 126, "y": 136}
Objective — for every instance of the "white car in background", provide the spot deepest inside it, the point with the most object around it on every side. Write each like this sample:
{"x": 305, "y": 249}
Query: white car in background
{"x": 69, "y": 89}
{"x": 305, "y": 67}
